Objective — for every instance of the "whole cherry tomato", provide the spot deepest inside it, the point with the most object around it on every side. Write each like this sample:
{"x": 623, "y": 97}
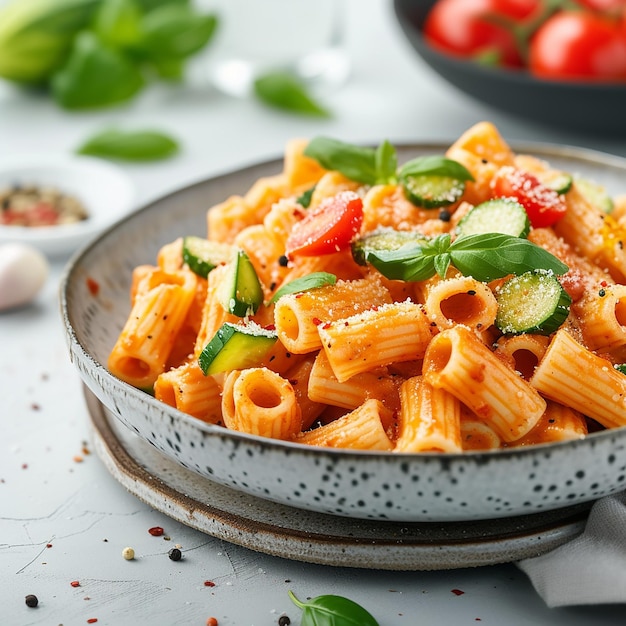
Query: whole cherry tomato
{"x": 479, "y": 28}
{"x": 543, "y": 205}
{"x": 327, "y": 228}
{"x": 575, "y": 45}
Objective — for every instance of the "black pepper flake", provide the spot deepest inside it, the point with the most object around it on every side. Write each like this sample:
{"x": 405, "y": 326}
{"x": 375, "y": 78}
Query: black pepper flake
{"x": 175, "y": 554}
{"x": 445, "y": 215}
{"x": 602, "y": 293}
{"x": 471, "y": 292}
{"x": 31, "y": 600}
{"x": 283, "y": 261}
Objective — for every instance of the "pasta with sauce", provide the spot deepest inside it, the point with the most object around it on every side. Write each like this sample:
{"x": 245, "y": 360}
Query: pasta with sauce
{"x": 364, "y": 359}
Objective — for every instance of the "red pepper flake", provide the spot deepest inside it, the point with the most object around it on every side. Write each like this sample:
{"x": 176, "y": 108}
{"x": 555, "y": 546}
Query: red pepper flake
{"x": 327, "y": 325}
{"x": 317, "y": 321}
{"x": 156, "y": 531}
{"x": 92, "y": 620}
{"x": 603, "y": 283}
{"x": 75, "y": 583}
{"x": 24, "y": 465}
{"x": 270, "y": 327}
{"x": 35, "y": 407}
{"x": 77, "y": 458}
{"x": 48, "y": 545}
{"x": 209, "y": 583}
{"x": 93, "y": 286}
{"x": 457, "y": 592}
{"x": 212, "y": 621}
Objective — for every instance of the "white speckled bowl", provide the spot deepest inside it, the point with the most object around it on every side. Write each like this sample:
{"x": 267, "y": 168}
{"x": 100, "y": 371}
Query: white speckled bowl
{"x": 385, "y": 486}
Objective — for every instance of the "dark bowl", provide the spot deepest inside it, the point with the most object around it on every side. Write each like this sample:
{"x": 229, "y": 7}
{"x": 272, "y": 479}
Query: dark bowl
{"x": 581, "y": 106}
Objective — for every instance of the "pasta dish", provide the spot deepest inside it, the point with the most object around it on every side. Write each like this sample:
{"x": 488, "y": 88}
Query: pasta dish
{"x": 471, "y": 300}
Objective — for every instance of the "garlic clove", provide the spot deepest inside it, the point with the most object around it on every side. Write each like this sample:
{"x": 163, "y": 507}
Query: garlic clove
{"x": 23, "y": 272}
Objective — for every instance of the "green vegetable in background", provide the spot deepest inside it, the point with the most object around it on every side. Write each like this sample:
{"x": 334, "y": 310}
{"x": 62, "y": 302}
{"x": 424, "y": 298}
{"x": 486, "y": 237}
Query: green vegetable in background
{"x": 36, "y": 36}
{"x": 283, "y": 90}
{"x": 331, "y": 610}
{"x": 97, "y": 53}
{"x": 95, "y": 76}
{"x": 143, "y": 145}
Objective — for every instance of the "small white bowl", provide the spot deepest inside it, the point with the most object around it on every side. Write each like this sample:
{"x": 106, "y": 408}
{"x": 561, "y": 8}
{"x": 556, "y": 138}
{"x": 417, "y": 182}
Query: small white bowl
{"x": 103, "y": 188}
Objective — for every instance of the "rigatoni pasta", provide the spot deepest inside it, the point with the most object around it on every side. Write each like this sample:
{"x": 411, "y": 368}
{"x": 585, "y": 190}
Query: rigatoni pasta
{"x": 381, "y": 328}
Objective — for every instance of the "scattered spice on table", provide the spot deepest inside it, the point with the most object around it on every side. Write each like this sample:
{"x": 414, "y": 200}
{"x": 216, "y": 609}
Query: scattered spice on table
{"x": 457, "y": 592}
{"x": 284, "y": 620}
{"x": 212, "y": 621}
{"x": 156, "y": 531}
{"x": 128, "y": 553}
{"x": 31, "y": 600}
{"x": 75, "y": 583}
{"x": 175, "y": 554}
{"x": 209, "y": 583}
{"x": 92, "y": 620}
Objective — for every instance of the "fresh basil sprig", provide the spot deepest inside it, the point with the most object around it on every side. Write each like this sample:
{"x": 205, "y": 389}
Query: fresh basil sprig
{"x": 314, "y": 280}
{"x": 379, "y": 166}
{"x": 331, "y": 610}
{"x": 484, "y": 256}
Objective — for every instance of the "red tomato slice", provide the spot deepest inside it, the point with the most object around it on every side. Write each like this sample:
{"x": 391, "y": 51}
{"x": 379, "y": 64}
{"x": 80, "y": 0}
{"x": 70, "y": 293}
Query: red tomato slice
{"x": 543, "y": 205}
{"x": 327, "y": 228}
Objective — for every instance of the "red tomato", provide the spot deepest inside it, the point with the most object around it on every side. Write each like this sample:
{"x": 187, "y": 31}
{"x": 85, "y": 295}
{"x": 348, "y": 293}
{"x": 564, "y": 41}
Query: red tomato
{"x": 602, "y": 5}
{"x": 543, "y": 205}
{"x": 327, "y": 228}
{"x": 579, "y": 45}
{"x": 474, "y": 28}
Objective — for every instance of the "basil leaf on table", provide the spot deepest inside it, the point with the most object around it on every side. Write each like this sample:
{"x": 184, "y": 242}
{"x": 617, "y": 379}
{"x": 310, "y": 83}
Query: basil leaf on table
{"x": 142, "y": 145}
{"x": 283, "y": 90}
{"x": 117, "y": 22}
{"x": 331, "y": 610}
{"x": 305, "y": 283}
{"x": 95, "y": 76}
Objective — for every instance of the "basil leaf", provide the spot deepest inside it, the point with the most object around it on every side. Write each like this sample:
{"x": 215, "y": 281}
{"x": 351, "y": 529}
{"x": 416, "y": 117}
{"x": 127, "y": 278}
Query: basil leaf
{"x": 174, "y": 31}
{"x": 95, "y": 76}
{"x": 305, "y": 283}
{"x": 494, "y": 255}
{"x": 442, "y": 263}
{"x": 408, "y": 263}
{"x": 435, "y": 166}
{"x": 283, "y": 90}
{"x": 354, "y": 162}
{"x": 304, "y": 199}
{"x": 331, "y": 610}
{"x": 386, "y": 163}
{"x": 117, "y": 22}
{"x": 143, "y": 145}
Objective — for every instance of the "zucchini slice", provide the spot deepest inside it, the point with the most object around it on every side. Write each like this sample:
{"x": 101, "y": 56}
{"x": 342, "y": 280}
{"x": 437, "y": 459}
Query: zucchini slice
{"x": 240, "y": 293}
{"x": 383, "y": 239}
{"x": 430, "y": 191}
{"x": 595, "y": 194}
{"x": 558, "y": 181}
{"x": 533, "y": 302}
{"x": 202, "y": 255}
{"x": 501, "y": 215}
{"x": 236, "y": 347}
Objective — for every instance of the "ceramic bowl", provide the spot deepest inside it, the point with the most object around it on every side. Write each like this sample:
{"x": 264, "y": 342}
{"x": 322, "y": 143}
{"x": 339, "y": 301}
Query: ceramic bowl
{"x": 103, "y": 188}
{"x": 384, "y": 486}
{"x": 576, "y": 105}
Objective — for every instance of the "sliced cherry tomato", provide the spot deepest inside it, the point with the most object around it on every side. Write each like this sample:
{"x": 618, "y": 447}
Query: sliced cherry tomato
{"x": 579, "y": 45}
{"x": 480, "y": 29}
{"x": 543, "y": 205}
{"x": 327, "y": 228}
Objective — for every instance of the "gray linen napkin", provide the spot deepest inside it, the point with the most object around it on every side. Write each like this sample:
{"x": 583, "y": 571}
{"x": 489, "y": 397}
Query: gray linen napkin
{"x": 590, "y": 569}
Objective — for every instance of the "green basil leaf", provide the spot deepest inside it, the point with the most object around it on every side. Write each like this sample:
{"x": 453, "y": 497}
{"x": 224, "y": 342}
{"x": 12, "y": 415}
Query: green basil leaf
{"x": 148, "y": 5}
{"x": 305, "y": 283}
{"x": 331, "y": 610}
{"x": 117, "y": 22}
{"x": 174, "y": 31}
{"x": 442, "y": 263}
{"x": 142, "y": 145}
{"x": 495, "y": 255}
{"x": 354, "y": 162}
{"x": 95, "y": 76}
{"x": 386, "y": 163}
{"x": 283, "y": 90}
{"x": 304, "y": 199}
{"x": 408, "y": 263}
{"x": 435, "y": 166}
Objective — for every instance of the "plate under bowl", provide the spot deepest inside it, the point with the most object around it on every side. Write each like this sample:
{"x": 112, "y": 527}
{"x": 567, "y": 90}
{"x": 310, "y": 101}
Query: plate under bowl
{"x": 385, "y": 486}
{"x": 574, "y": 105}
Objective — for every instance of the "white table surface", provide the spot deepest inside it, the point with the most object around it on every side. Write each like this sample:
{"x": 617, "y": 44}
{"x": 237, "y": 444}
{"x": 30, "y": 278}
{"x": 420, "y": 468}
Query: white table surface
{"x": 62, "y": 519}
